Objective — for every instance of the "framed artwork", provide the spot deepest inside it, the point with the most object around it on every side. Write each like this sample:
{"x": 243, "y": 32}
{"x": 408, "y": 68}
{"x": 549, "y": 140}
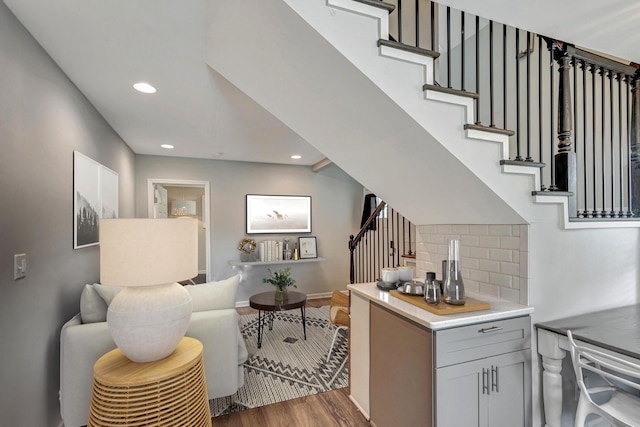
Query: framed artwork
{"x": 95, "y": 196}
{"x": 308, "y": 247}
{"x": 278, "y": 214}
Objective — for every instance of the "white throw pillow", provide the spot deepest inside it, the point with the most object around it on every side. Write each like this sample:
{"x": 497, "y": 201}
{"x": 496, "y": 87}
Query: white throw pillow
{"x": 214, "y": 295}
{"x": 94, "y": 302}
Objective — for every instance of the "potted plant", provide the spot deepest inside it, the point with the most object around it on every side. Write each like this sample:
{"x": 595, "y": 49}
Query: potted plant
{"x": 281, "y": 279}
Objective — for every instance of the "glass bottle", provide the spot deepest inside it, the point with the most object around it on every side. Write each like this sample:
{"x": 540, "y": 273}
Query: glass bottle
{"x": 296, "y": 254}
{"x": 287, "y": 250}
{"x": 431, "y": 289}
{"x": 453, "y": 285}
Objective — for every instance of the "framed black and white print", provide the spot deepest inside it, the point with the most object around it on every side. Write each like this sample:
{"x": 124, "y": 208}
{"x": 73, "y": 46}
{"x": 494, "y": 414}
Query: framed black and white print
{"x": 278, "y": 214}
{"x": 308, "y": 247}
{"x": 95, "y": 196}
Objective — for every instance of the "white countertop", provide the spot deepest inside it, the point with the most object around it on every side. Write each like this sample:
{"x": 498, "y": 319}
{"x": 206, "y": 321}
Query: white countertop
{"x": 500, "y": 309}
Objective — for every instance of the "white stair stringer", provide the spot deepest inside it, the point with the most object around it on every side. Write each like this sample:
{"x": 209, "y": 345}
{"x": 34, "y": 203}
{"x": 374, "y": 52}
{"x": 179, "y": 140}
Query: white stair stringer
{"x": 520, "y": 198}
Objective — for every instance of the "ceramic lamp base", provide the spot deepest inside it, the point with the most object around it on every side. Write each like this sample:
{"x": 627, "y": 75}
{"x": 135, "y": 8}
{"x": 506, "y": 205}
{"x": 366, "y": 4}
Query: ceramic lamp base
{"x": 148, "y": 322}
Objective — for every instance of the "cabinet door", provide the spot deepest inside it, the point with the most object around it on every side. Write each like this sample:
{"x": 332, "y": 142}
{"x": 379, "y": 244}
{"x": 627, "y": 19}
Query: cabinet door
{"x": 460, "y": 397}
{"x": 510, "y": 398}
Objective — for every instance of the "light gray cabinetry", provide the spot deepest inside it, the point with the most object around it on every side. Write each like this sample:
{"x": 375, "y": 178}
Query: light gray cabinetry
{"x": 483, "y": 375}
{"x": 491, "y": 392}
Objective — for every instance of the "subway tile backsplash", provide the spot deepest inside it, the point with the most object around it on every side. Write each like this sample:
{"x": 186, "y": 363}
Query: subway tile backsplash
{"x": 493, "y": 258}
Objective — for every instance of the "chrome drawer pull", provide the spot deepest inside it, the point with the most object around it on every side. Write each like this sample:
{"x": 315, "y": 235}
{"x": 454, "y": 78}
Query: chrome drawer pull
{"x": 491, "y": 329}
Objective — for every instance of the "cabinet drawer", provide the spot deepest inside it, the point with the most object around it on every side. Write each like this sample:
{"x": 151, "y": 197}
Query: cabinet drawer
{"x": 481, "y": 340}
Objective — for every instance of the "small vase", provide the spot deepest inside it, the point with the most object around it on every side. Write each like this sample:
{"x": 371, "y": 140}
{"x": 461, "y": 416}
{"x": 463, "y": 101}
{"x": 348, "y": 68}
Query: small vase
{"x": 282, "y": 294}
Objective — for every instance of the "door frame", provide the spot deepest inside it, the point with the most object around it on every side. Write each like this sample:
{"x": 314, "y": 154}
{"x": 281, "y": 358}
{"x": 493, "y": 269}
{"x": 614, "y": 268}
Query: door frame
{"x": 206, "y": 207}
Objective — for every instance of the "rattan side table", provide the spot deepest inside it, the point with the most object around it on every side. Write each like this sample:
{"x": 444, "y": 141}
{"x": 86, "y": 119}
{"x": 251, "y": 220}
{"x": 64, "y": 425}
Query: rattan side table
{"x": 168, "y": 392}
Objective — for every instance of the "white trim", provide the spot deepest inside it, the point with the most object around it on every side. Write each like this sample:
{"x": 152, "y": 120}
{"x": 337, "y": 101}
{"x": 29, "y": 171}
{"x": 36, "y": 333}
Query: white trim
{"x": 362, "y": 411}
{"x": 206, "y": 208}
{"x": 449, "y": 98}
{"x": 580, "y": 225}
{"x": 412, "y": 58}
{"x": 382, "y": 15}
{"x": 524, "y": 170}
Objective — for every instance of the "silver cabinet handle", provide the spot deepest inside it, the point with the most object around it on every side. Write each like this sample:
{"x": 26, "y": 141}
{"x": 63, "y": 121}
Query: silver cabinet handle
{"x": 491, "y": 329}
{"x": 494, "y": 379}
{"x": 485, "y": 382}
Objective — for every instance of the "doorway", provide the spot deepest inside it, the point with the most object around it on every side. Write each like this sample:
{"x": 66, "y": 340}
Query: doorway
{"x": 172, "y": 198}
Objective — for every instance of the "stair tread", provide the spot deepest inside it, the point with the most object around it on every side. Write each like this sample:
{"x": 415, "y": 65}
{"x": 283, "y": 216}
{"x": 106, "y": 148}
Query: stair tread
{"x": 409, "y": 48}
{"x": 489, "y": 129}
{"x": 450, "y": 91}
{"x": 551, "y": 193}
{"x": 522, "y": 163}
{"x": 379, "y": 4}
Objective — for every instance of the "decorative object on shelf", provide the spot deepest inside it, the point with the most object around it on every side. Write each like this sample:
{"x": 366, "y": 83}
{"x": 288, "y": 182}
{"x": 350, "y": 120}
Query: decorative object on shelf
{"x": 454, "y": 286}
{"x": 247, "y": 247}
{"x": 278, "y": 214}
{"x": 95, "y": 196}
{"x": 296, "y": 253}
{"x": 286, "y": 250}
{"x": 308, "y": 247}
{"x": 281, "y": 279}
{"x": 149, "y": 317}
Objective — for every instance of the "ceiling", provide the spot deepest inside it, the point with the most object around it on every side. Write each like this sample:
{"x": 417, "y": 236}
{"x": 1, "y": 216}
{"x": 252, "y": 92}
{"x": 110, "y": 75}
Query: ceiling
{"x": 107, "y": 46}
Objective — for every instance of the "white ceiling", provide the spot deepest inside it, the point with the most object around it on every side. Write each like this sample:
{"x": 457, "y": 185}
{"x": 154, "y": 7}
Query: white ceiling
{"x": 106, "y": 46}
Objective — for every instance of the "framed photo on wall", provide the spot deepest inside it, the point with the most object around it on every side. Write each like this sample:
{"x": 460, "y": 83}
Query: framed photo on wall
{"x": 95, "y": 196}
{"x": 278, "y": 214}
{"x": 308, "y": 247}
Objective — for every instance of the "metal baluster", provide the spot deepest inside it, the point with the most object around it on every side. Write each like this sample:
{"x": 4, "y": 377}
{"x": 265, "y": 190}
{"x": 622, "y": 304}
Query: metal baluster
{"x": 518, "y": 156}
{"x": 504, "y": 76}
{"x": 462, "y": 37}
{"x": 541, "y": 156}
{"x": 629, "y": 124}
{"x": 448, "y": 47}
{"x": 528, "y": 159}
{"x": 612, "y": 214}
{"x": 478, "y": 69}
{"x": 620, "y": 212}
{"x": 404, "y": 220}
{"x": 552, "y": 187}
{"x": 432, "y": 16}
{"x": 603, "y": 73}
{"x": 575, "y": 115}
{"x": 399, "y": 12}
{"x": 397, "y": 244}
{"x": 584, "y": 135}
{"x": 493, "y": 122}
{"x": 417, "y": 23}
{"x": 594, "y": 212}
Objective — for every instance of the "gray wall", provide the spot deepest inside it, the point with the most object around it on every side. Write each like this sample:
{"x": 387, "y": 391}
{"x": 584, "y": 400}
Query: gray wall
{"x": 43, "y": 119}
{"x": 336, "y": 210}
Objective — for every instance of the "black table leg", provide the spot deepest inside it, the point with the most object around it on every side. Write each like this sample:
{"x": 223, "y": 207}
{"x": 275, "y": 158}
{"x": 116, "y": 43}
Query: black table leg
{"x": 271, "y": 315}
{"x": 260, "y": 323}
{"x": 304, "y": 322}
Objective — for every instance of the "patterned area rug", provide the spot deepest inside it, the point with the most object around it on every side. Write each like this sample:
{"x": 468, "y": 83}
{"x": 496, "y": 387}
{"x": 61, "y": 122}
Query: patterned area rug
{"x": 287, "y": 366}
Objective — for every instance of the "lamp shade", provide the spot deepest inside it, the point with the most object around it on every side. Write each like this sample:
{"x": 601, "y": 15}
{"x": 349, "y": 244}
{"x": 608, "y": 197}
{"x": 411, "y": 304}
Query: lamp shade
{"x": 149, "y": 317}
{"x": 147, "y": 252}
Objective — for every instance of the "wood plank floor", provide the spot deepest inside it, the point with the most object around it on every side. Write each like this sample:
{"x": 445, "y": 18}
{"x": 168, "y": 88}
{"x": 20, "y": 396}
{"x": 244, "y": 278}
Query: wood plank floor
{"x": 333, "y": 408}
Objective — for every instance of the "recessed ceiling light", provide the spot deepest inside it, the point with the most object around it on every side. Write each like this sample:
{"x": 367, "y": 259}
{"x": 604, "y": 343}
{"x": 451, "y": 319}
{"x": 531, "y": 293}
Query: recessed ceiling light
{"x": 167, "y": 146}
{"x": 144, "y": 87}
{"x": 296, "y": 156}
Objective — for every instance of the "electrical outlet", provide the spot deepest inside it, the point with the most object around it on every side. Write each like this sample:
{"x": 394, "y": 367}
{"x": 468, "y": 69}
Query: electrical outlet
{"x": 19, "y": 266}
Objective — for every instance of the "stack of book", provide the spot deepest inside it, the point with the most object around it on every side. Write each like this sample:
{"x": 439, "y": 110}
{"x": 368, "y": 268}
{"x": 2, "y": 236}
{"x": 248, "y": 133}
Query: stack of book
{"x": 270, "y": 250}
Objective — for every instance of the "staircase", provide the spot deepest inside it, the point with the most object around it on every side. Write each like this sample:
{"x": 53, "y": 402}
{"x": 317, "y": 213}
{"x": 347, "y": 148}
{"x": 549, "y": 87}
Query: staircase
{"x": 373, "y": 107}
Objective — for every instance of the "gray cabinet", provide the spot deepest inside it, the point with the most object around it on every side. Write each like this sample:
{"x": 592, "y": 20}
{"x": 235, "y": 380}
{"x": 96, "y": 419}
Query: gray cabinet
{"x": 483, "y": 375}
{"x": 490, "y": 392}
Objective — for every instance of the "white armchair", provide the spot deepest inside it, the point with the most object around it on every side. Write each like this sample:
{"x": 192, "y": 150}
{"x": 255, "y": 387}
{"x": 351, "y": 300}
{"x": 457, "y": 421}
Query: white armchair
{"x": 85, "y": 338}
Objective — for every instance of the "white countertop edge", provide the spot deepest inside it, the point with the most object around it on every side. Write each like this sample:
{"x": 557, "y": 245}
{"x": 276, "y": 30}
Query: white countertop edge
{"x": 500, "y": 309}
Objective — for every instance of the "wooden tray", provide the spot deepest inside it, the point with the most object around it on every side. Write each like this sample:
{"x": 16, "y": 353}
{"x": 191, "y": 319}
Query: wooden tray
{"x": 471, "y": 304}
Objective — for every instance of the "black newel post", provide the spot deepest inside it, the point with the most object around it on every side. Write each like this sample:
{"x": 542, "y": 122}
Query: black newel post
{"x": 565, "y": 159}
{"x": 352, "y": 269}
{"x": 634, "y": 148}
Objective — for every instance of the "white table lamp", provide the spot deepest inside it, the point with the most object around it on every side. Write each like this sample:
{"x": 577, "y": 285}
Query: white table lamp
{"x": 149, "y": 317}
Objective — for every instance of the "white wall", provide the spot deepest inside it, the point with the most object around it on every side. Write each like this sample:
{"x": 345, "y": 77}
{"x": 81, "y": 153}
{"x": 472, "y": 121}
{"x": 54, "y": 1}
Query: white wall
{"x": 336, "y": 201}
{"x": 43, "y": 119}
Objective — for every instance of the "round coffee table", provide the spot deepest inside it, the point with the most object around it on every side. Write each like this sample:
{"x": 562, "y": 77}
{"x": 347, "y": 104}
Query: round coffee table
{"x": 266, "y": 301}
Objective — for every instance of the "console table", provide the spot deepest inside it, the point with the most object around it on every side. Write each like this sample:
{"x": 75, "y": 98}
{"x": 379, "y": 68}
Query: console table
{"x": 614, "y": 330}
{"x": 168, "y": 392}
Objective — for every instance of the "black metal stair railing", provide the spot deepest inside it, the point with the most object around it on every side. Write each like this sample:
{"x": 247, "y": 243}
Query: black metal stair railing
{"x": 383, "y": 241}
{"x": 569, "y": 109}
